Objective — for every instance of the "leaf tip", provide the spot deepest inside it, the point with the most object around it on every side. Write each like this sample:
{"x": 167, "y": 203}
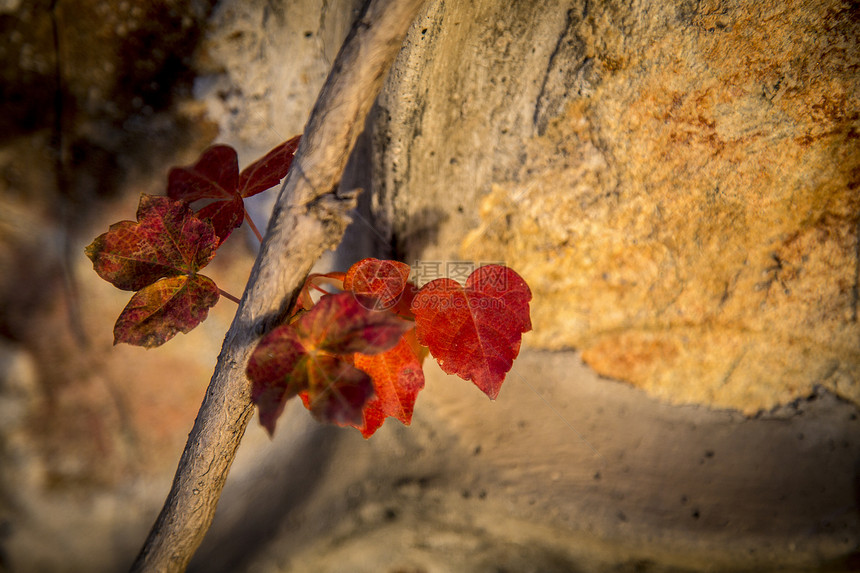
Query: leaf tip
{"x": 91, "y": 250}
{"x": 491, "y": 392}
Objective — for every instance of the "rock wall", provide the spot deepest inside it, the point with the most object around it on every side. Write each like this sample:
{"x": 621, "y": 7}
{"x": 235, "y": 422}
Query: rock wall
{"x": 678, "y": 182}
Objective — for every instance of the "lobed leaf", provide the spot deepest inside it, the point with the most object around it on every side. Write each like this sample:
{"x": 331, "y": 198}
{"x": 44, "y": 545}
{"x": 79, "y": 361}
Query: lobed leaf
{"x": 159, "y": 311}
{"x": 475, "y": 331}
{"x": 282, "y": 367}
{"x": 167, "y": 240}
{"x": 275, "y": 372}
{"x": 344, "y": 323}
{"x": 338, "y": 391}
{"x": 267, "y": 172}
{"x": 159, "y": 256}
{"x": 216, "y": 176}
{"x": 225, "y": 216}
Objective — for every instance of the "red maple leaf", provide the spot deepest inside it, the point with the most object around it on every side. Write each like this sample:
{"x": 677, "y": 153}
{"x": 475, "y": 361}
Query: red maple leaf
{"x": 216, "y": 176}
{"x": 159, "y": 256}
{"x": 475, "y": 332}
{"x": 312, "y": 357}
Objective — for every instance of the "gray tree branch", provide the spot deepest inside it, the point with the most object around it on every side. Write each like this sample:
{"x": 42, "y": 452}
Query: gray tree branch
{"x": 308, "y": 219}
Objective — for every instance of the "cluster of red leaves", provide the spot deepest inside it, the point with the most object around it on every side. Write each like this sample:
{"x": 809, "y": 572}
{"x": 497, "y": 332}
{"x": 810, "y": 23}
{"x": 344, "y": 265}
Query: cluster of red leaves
{"x": 355, "y": 357}
{"x": 160, "y": 255}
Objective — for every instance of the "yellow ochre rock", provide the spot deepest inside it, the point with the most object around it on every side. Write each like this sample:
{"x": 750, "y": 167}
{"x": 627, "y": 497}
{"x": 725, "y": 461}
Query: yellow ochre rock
{"x": 691, "y": 223}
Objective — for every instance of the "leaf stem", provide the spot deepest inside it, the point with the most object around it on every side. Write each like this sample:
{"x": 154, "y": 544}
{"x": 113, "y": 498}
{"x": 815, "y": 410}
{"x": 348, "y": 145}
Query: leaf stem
{"x": 253, "y": 227}
{"x": 226, "y": 294}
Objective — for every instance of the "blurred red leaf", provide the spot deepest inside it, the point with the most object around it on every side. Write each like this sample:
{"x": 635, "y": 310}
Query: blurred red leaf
{"x": 397, "y": 378}
{"x": 216, "y": 176}
{"x": 475, "y": 332}
{"x": 159, "y": 255}
{"x": 314, "y": 355}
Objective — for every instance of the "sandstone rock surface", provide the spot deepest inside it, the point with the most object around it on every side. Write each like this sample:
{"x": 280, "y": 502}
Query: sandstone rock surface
{"x": 679, "y": 183}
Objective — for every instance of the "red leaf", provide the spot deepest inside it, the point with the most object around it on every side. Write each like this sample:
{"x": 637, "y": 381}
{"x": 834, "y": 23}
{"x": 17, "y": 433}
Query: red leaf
{"x": 225, "y": 216}
{"x": 475, "y": 332}
{"x": 343, "y": 323}
{"x": 267, "y": 172}
{"x": 157, "y": 312}
{"x": 167, "y": 241}
{"x": 397, "y": 378}
{"x": 340, "y": 391}
{"x": 314, "y": 354}
{"x": 283, "y": 366}
{"x": 216, "y": 176}
{"x": 383, "y": 280}
{"x": 275, "y": 370}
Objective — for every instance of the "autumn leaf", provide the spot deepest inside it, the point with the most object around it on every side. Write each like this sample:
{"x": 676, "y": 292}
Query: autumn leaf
{"x": 397, "y": 377}
{"x": 314, "y": 356}
{"x": 268, "y": 171}
{"x": 385, "y": 281}
{"x": 159, "y": 255}
{"x": 170, "y": 305}
{"x": 475, "y": 331}
{"x": 380, "y": 279}
{"x": 216, "y": 176}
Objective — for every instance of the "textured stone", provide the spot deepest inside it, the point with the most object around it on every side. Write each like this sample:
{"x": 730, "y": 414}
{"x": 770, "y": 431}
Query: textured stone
{"x": 681, "y": 192}
{"x": 256, "y": 100}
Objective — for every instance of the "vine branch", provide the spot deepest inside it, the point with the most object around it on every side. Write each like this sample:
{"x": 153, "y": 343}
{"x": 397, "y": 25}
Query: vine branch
{"x": 309, "y": 218}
